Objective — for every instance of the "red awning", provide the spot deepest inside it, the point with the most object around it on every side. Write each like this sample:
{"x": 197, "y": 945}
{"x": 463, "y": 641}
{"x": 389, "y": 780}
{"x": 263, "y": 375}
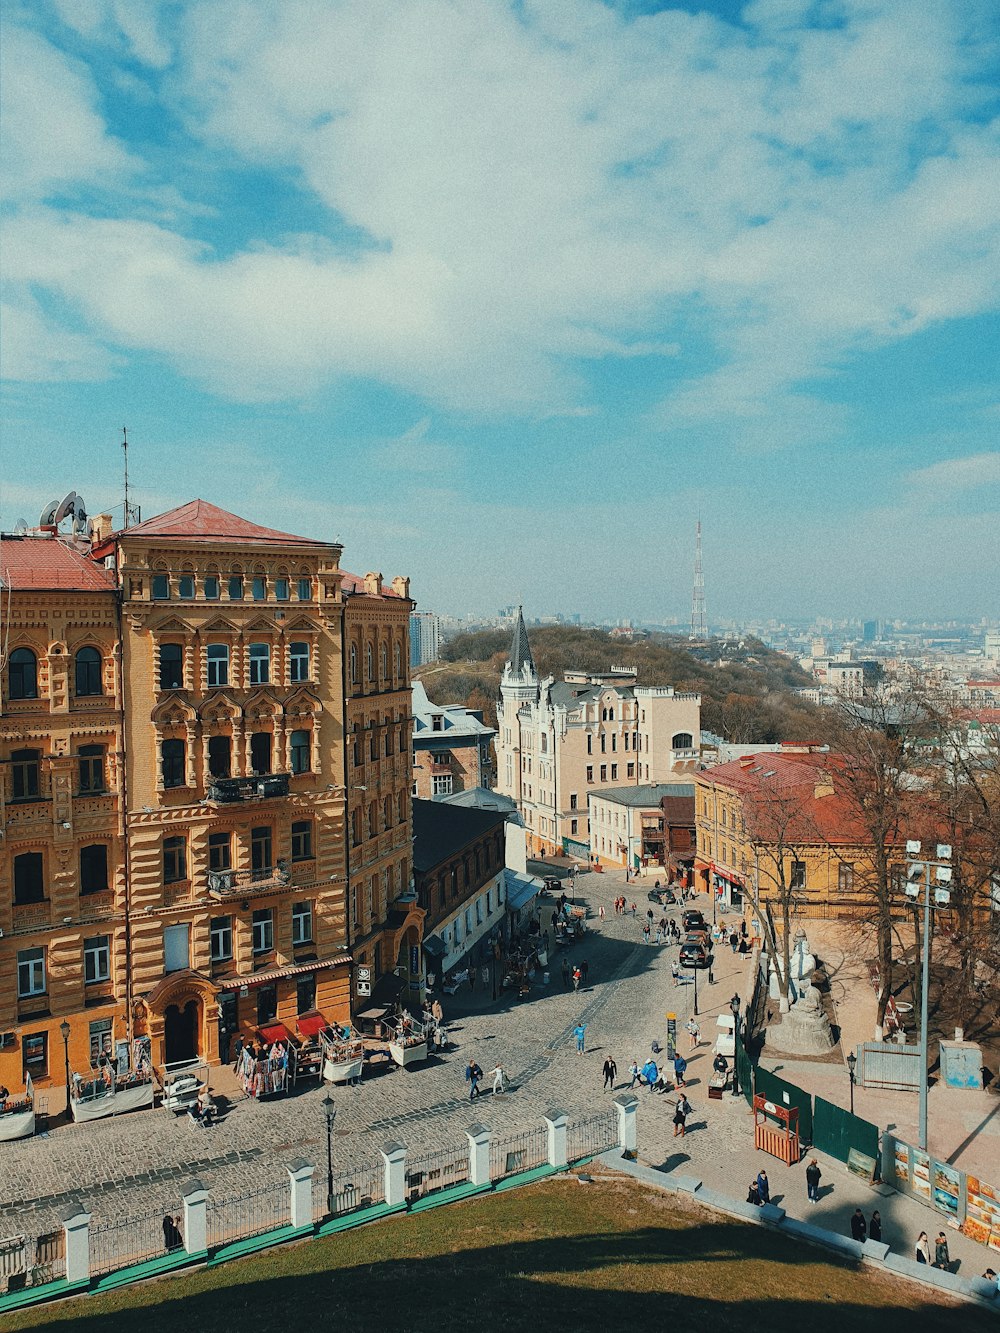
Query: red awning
{"x": 273, "y": 1032}
{"x": 311, "y": 1023}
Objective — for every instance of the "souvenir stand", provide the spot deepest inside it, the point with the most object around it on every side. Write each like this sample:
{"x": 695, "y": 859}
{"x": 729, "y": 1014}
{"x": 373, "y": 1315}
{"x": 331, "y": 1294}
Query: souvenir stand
{"x": 111, "y": 1090}
{"x": 263, "y": 1073}
{"x": 305, "y": 1057}
{"x": 181, "y": 1083}
{"x": 408, "y": 1044}
{"x": 343, "y": 1055}
{"x": 776, "y": 1130}
{"x": 17, "y": 1115}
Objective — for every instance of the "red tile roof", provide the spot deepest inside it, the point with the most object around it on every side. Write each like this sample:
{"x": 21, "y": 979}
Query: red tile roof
{"x": 49, "y": 565}
{"x": 353, "y": 585}
{"x": 199, "y": 521}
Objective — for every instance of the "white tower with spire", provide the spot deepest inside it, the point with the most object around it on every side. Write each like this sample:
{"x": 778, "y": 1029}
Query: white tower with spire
{"x": 518, "y": 686}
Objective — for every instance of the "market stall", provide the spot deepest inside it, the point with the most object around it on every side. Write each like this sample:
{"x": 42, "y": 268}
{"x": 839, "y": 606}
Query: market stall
{"x": 181, "y": 1084}
{"x": 110, "y": 1089}
{"x": 408, "y": 1044}
{"x": 17, "y": 1114}
{"x": 262, "y": 1068}
{"x": 306, "y": 1055}
{"x": 343, "y": 1055}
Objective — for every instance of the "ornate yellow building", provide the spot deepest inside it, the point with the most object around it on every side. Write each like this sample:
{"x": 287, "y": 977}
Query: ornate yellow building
{"x": 234, "y": 658}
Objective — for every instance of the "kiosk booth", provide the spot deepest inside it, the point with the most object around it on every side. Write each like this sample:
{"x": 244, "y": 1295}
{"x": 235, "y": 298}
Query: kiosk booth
{"x": 776, "y": 1130}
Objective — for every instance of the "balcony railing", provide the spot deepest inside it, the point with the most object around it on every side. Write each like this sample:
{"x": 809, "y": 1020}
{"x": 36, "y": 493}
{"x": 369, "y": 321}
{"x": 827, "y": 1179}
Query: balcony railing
{"x": 226, "y": 791}
{"x": 227, "y": 883}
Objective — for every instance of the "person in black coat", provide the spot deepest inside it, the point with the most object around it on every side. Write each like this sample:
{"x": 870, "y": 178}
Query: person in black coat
{"x": 859, "y": 1227}
{"x": 875, "y": 1226}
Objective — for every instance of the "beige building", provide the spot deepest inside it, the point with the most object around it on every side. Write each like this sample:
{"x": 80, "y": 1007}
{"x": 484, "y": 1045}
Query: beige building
{"x": 559, "y": 740}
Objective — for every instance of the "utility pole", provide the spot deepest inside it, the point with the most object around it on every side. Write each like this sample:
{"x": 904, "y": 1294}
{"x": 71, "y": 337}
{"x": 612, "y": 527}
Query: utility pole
{"x": 918, "y": 883}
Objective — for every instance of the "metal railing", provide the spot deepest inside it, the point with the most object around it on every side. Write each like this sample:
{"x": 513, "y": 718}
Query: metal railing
{"x": 132, "y": 1240}
{"x": 224, "y": 791}
{"x": 591, "y": 1135}
{"x": 241, "y": 1216}
{"x": 221, "y": 882}
{"x": 358, "y": 1187}
{"x": 31, "y": 1263}
{"x": 518, "y": 1152}
{"x": 436, "y": 1171}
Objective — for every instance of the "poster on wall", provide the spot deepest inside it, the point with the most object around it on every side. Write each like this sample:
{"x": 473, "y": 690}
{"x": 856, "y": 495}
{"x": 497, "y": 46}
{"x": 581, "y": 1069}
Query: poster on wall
{"x": 921, "y": 1183}
{"x": 947, "y": 1182}
{"x": 901, "y": 1164}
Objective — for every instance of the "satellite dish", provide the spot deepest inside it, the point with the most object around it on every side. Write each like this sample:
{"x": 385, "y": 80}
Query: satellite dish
{"x": 20, "y": 527}
{"x": 67, "y": 507}
{"x": 48, "y": 515}
{"x": 79, "y": 517}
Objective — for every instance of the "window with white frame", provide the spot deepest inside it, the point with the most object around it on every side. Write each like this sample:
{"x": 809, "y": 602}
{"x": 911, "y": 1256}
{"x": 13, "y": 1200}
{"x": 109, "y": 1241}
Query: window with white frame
{"x": 302, "y": 923}
{"x": 260, "y": 663}
{"x": 263, "y": 930}
{"x": 96, "y": 959}
{"x": 441, "y": 784}
{"x": 30, "y": 973}
{"x": 220, "y": 937}
{"x": 298, "y": 657}
{"x": 217, "y": 665}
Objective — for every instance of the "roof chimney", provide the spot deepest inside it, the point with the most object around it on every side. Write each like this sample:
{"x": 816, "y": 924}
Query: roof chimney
{"x": 373, "y": 585}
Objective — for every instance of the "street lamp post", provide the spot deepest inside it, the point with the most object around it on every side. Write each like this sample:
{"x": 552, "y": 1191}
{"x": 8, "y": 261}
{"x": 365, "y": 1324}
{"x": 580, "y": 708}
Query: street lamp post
{"x": 734, "y": 1005}
{"x": 694, "y": 973}
{"x": 64, "y": 1032}
{"x": 852, "y": 1061}
{"x": 330, "y": 1111}
{"x": 918, "y": 884}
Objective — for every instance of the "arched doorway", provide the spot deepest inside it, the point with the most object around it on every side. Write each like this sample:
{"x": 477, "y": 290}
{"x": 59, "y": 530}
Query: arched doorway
{"x": 180, "y": 1031}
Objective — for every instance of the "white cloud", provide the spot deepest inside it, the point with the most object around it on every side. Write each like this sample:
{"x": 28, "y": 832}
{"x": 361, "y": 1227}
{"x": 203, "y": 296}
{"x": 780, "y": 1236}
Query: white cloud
{"x": 953, "y": 475}
{"x": 413, "y": 451}
{"x": 33, "y": 348}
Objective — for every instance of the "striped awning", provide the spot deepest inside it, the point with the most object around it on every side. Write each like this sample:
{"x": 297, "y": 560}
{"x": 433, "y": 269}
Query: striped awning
{"x": 293, "y": 970}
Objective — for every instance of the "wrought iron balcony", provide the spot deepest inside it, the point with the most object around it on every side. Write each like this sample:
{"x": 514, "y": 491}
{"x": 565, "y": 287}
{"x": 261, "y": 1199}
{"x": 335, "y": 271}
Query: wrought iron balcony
{"x": 234, "y": 883}
{"x": 263, "y": 787}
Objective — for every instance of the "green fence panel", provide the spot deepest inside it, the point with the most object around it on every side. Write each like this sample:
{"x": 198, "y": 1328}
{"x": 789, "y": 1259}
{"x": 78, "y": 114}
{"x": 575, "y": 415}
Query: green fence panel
{"x": 836, "y": 1132}
{"x": 780, "y": 1092}
{"x": 744, "y": 1071}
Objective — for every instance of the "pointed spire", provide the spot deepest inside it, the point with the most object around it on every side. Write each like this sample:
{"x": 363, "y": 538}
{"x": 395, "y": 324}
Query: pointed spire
{"x": 521, "y": 661}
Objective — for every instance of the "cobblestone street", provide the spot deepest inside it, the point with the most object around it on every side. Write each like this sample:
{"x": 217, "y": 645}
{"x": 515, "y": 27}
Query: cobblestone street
{"x": 139, "y": 1162}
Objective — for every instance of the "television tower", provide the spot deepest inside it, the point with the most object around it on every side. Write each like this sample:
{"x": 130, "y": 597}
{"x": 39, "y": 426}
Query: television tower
{"x": 699, "y": 625}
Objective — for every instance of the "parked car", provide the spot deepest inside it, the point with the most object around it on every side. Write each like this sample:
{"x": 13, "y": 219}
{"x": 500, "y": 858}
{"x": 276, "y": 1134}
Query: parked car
{"x": 694, "y": 951}
{"x": 693, "y": 920}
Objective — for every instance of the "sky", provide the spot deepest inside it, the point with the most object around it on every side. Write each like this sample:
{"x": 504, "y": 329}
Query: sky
{"x": 506, "y": 296}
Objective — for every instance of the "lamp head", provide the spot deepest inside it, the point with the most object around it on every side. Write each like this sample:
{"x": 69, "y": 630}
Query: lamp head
{"x": 64, "y": 1030}
{"x": 852, "y": 1061}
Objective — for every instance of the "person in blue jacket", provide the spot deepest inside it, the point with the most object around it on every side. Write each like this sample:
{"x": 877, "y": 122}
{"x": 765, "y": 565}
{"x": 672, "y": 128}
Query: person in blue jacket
{"x": 680, "y": 1068}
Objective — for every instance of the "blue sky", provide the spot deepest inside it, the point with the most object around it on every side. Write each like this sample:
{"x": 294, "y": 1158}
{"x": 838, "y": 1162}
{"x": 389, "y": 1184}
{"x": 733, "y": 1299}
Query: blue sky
{"x": 503, "y": 297}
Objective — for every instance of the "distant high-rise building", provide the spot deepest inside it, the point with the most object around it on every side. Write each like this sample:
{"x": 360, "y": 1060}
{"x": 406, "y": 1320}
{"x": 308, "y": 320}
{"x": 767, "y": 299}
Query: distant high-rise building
{"x": 869, "y": 631}
{"x": 425, "y": 638}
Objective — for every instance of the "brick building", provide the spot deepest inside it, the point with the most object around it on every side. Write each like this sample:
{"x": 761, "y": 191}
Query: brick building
{"x": 452, "y": 748}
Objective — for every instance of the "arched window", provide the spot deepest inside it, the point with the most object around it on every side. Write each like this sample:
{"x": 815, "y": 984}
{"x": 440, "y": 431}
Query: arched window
{"x": 171, "y": 666}
{"x": 383, "y": 662}
{"x": 369, "y": 662}
{"x": 354, "y": 664}
{"x": 22, "y": 675}
{"x": 301, "y": 757}
{"x": 397, "y": 659}
{"x": 682, "y": 741}
{"x": 88, "y": 672}
{"x": 185, "y": 584}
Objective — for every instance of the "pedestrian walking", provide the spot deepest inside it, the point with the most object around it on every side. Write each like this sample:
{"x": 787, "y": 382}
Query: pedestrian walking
{"x": 171, "y": 1233}
{"x": 584, "y": 971}
{"x": 859, "y": 1227}
{"x": 437, "y": 1011}
{"x": 577, "y": 978}
{"x": 875, "y": 1226}
{"x": 633, "y": 1074}
{"x": 675, "y": 972}
{"x": 763, "y": 1186}
{"x": 923, "y": 1249}
{"x": 734, "y": 940}
{"x": 694, "y": 1033}
{"x": 565, "y": 974}
{"x": 610, "y": 1073}
{"x": 942, "y": 1259}
{"x": 682, "y": 1110}
{"x": 813, "y": 1175}
{"x": 498, "y": 1081}
{"x": 473, "y": 1074}
{"x": 580, "y": 1033}
{"x": 680, "y": 1067}
{"x": 650, "y": 1074}
{"x": 237, "y": 1049}
{"x": 601, "y": 912}
{"x": 634, "y": 909}
{"x": 753, "y": 1194}
{"x": 645, "y": 933}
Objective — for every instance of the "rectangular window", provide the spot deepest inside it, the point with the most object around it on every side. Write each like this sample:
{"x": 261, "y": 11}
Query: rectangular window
{"x": 35, "y": 1054}
{"x": 590, "y": 772}
{"x": 91, "y": 769}
{"x": 260, "y": 751}
{"x": 441, "y": 784}
{"x": 173, "y": 761}
{"x": 102, "y": 1041}
{"x": 300, "y": 751}
{"x": 614, "y": 772}
{"x": 211, "y": 588}
{"x": 614, "y": 743}
{"x": 171, "y": 666}
{"x": 217, "y": 665}
{"x": 94, "y": 868}
{"x": 259, "y": 589}
{"x": 219, "y": 756}
{"x": 174, "y": 860}
{"x": 573, "y": 825}
{"x": 604, "y": 772}
{"x": 590, "y": 743}
{"x": 260, "y": 663}
{"x": 220, "y": 851}
{"x": 235, "y": 587}
{"x": 845, "y": 877}
{"x": 305, "y": 590}
{"x": 96, "y": 959}
{"x": 267, "y": 1004}
{"x": 30, "y": 973}
{"x": 263, "y": 930}
{"x": 220, "y": 938}
{"x": 299, "y": 660}
{"x": 281, "y": 590}
{"x": 261, "y": 848}
{"x": 302, "y": 840}
{"x": 302, "y": 923}
{"x": 29, "y": 878}
{"x": 798, "y": 880}
{"x": 161, "y": 587}
{"x": 572, "y": 800}
{"x": 26, "y": 774}
{"x": 604, "y": 743}
{"x": 176, "y": 948}
{"x": 630, "y": 771}
{"x": 185, "y": 587}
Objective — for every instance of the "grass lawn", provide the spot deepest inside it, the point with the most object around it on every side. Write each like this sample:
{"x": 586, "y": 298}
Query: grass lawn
{"x": 559, "y": 1255}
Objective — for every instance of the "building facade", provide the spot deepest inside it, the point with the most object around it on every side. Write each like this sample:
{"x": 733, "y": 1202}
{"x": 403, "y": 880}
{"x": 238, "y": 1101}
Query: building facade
{"x": 452, "y": 748}
{"x": 642, "y": 828}
{"x": 559, "y": 740}
{"x": 196, "y": 779}
{"x": 425, "y": 638}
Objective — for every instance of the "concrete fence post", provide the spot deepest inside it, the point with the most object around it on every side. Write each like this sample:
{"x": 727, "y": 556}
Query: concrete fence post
{"x": 627, "y": 1106}
{"x": 555, "y": 1123}
{"x": 479, "y": 1154}
{"x": 394, "y": 1156}
{"x": 195, "y": 1199}
{"x": 300, "y": 1179}
{"x": 76, "y": 1229}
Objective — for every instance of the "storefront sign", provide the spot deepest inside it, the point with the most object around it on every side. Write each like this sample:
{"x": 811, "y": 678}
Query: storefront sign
{"x": 364, "y": 988}
{"x": 414, "y": 960}
{"x": 671, "y": 1036}
{"x": 364, "y": 974}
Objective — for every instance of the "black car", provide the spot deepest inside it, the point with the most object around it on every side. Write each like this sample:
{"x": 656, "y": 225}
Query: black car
{"x": 693, "y": 920}
{"x": 695, "y": 951}
{"x": 665, "y": 897}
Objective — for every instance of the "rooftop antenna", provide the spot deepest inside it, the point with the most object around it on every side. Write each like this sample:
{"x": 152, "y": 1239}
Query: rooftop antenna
{"x": 131, "y": 514}
{"x": 699, "y": 625}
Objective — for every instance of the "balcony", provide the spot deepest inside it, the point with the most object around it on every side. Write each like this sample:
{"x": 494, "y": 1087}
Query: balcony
{"x": 244, "y": 883}
{"x": 227, "y": 791}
